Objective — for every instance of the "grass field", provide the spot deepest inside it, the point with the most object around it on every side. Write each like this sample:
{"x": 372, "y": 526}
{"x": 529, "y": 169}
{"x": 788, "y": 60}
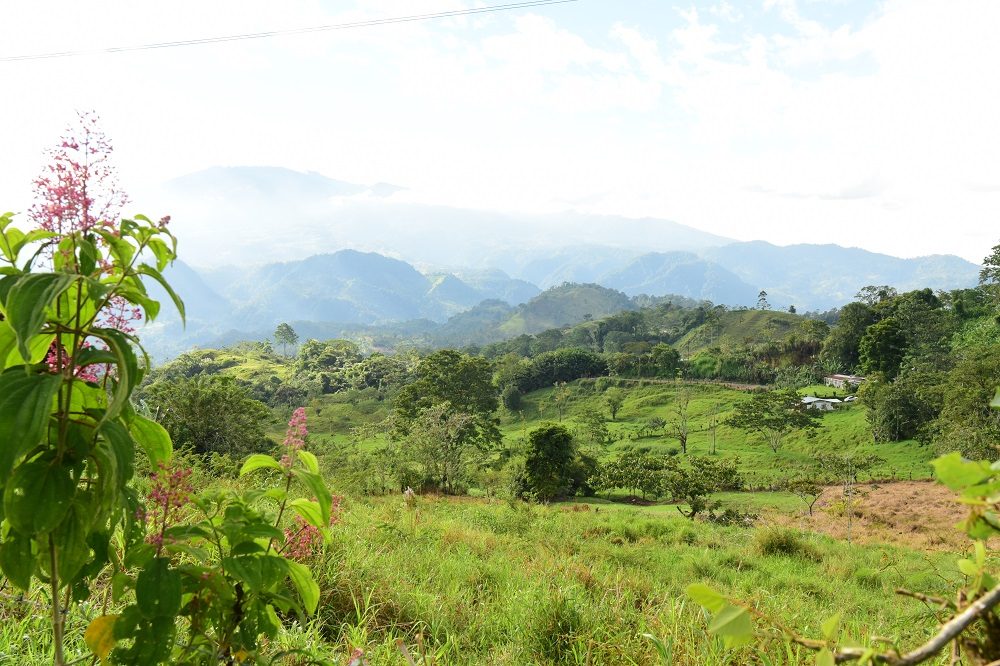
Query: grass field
{"x": 493, "y": 583}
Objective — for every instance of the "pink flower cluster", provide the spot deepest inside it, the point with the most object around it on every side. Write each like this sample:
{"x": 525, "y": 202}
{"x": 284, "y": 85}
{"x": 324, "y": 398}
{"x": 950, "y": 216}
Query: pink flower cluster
{"x": 295, "y": 436}
{"x": 302, "y": 540}
{"x": 171, "y": 490}
{"x": 119, "y": 315}
{"x": 88, "y": 373}
{"x": 79, "y": 189}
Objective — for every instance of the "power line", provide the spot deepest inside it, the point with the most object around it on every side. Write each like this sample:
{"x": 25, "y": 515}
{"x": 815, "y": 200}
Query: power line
{"x": 291, "y": 31}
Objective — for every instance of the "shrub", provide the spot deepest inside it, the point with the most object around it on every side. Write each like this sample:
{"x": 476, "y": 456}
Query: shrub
{"x": 780, "y": 541}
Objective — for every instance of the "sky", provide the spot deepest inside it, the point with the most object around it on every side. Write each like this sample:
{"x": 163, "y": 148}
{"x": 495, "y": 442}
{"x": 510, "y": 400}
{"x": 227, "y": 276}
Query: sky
{"x": 870, "y": 124}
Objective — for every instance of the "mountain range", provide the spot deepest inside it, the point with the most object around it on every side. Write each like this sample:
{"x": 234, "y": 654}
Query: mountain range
{"x": 264, "y": 245}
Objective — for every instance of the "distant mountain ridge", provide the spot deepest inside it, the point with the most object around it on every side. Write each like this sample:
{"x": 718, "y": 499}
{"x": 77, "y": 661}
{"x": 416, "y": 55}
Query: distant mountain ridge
{"x": 280, "y": 245}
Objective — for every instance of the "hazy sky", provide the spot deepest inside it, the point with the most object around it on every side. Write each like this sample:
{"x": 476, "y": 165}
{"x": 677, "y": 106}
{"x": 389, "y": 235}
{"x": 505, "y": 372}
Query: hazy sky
{"x": 859, "y": 123}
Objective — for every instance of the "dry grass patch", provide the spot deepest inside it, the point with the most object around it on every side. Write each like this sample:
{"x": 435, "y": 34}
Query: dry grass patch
{"x": 917, "y": 514}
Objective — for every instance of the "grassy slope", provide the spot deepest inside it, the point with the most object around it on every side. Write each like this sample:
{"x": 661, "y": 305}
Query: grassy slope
{"x": 519, "y": 584}
{"x": 842, "y": 430}
{"x": 737, "y": 328}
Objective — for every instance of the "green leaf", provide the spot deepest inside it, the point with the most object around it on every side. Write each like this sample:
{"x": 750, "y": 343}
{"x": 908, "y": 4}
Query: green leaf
{"x": 319, "y": 490}
{"x": 309, "y": 460}
{"x": 731, "y": 621}
{"x": 247, "y": 570}
{"x": 158, "y": 589}
{"x": 70, "y": 537}
{"x": 957, "y": 473}
{"x": 122, "y": 447}
{"x": 825, "y": 658}
{"x": 831, "y": 628}
{"x": 304, "y": 583}
{"x": 127, "y": 366}
{"x": 38, "y": 496}
{"x": 25, "y": 403}
{"x": 155, "y": 274}
{"x": 27, "y": 302}
{"x": 88, "y": 256}
{"x": 16, "y": 560}
{"x": 968, "y": 567}
{"x": 310, "y": 512}
{"x": 996, "y": 400}
{"x": 259, "y": 461}
{"x": 152, "y": 437}
{"x": 706, "y": 597}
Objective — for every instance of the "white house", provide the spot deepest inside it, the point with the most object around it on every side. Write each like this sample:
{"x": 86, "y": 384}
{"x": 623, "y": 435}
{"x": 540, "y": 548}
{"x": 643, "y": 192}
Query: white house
{"x": 822, "y": 404}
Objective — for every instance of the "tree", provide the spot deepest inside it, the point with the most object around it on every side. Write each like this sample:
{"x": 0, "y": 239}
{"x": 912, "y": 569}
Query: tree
{"x": 317, "y": 356}
{"x": 678, "y": 425}
{"x": 882, "y": 348}
{"x": 635, "y": 470}
{"x": 713, "y": 427}
{"x": 452, "y": 389}
{"x": 791, "y": 309}
{"x": 614, "y": 398}
{"x": 210, "y": 414}
{"x": 840, "y": 349}
{"x": 550, "y": 461}
{"x": 440, "y": 442}
{"x": 594, "y": 427}
{"x": 665, "y": 360}
{"x": 872, "y": 295}
{"x": 966, "y": 422}
{"x": 846, "y": 467}
{"x": 773, "y": 415}
{"x": 990, "y": 272}
{"x": 464, "y": 382}
{"x": 989, "y": 275}
{"x": 285, "y": 335}
{"x": 762, "y": 303}
{"x": 807, "y": 488}
{"x": 694, "y": 484}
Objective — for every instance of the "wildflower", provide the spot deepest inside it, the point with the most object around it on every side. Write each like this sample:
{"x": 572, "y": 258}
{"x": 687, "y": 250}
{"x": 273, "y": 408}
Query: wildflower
{"x": 302, "y": 540}
{"x": 295, "y": 436}
{"x": 171, "y": 490}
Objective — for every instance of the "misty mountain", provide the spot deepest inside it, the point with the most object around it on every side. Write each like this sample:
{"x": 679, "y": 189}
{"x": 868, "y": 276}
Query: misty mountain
{"x": 680, "y": 273}
{"x": 826, "y": 276}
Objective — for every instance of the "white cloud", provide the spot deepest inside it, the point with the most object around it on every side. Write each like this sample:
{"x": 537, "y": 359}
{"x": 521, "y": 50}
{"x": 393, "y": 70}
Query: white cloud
{"x": 856, "y": 133}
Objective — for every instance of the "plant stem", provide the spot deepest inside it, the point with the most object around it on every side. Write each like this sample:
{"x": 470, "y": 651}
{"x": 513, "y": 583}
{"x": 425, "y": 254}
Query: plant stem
{"x": 57, "y": 616}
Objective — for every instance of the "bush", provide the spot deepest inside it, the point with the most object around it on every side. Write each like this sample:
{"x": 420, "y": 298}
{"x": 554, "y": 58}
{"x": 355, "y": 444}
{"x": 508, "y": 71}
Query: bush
{"x": 780, "y": 541}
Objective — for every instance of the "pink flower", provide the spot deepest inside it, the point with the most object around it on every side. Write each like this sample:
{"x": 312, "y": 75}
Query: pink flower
{"x": 171, "y": 490}
{"x": 295, "y": 436}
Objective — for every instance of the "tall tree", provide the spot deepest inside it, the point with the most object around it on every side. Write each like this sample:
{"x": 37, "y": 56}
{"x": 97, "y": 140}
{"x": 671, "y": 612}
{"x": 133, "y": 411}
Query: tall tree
{"x": 762, "y": 303}
{"x": 285, "y": 335}
{"x": 882, "y": 348}
{"x": 773, "y": 415}
{"x": 549, "y": 463}
{"x": 614, "y": 398}
{"x": 464, "y": 382}
{"x": 989, "y": 275}
{"x": 840, "y": 349}
{"x": 678, "y": 423}
{"x": 439, "y": 441}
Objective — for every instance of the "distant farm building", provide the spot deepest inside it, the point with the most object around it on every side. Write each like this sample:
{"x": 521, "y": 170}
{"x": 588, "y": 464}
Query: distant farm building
{"x": 843, "y": 381}
{"x": 821, "y": 404}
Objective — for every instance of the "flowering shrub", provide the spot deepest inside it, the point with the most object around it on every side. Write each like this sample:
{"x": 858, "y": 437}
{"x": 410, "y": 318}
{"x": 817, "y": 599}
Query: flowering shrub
{"x": 209, "y": 566}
